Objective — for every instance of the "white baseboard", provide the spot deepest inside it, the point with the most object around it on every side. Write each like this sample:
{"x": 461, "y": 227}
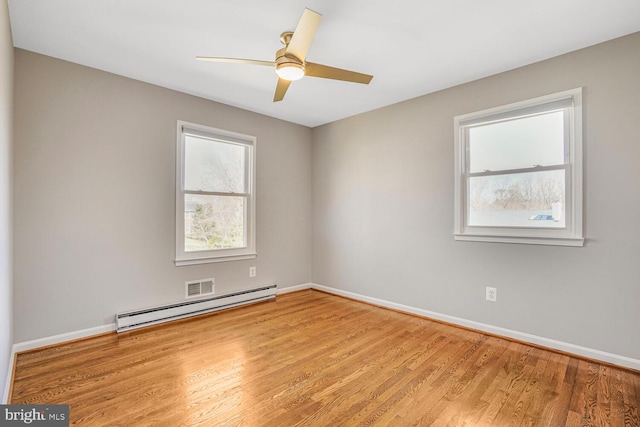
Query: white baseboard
{"x": 520, "y": 336}
{"x": 294, "y": 288}
{"x": 5, "y": 394}
{"x": 57, "y": 339}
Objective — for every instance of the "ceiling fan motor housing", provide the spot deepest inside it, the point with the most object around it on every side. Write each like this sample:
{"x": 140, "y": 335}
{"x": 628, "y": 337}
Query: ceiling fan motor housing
{"x": 284, "y": 60}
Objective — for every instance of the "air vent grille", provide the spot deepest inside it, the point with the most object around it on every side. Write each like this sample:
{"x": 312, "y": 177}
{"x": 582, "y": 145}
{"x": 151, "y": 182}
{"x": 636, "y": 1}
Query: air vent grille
{"x": 206, "y": 287}
{"x": 199, "y": 288}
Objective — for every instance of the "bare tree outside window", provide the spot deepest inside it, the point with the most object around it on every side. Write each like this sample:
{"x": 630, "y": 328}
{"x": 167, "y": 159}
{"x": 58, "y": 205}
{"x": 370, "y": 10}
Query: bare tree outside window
{"x": 215, "y": 219}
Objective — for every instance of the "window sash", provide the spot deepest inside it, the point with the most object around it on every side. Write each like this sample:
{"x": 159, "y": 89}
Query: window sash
{"x": 491, "y": 116}
{"x": 244, "y": 244}
{"x": 567, "y": 202}
{"x": 217, "y": 139}
{"x": 516, "y": 171}
{"x": 216, "y": 193}
{"x": 515, "y": 115}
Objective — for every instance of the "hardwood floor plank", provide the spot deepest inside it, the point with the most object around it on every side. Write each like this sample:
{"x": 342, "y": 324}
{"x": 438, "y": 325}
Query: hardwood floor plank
{"x": 631, "y": 397}
{"x": 549, "y": 403}
{"x": 314, "y": 359}
{"x": 563, "y": 401}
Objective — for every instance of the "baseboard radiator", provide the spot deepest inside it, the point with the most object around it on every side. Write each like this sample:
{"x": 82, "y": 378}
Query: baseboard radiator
{"x": 151, "y": 316}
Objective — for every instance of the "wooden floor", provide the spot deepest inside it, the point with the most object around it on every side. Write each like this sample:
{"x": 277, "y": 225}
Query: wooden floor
{"x": 313, "y": 359}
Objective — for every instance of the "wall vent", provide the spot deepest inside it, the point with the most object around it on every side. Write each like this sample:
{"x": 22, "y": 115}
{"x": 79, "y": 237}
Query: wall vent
{"x": 154, "y": 315}
{"x": 198, "y": 288}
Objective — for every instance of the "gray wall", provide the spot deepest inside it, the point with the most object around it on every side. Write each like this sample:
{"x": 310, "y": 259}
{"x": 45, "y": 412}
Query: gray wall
{"x": 94, "y": 214}
{"x": 94, "y": 197}
{"x": 6, "y": 107}
{"x": 383, "y": 209}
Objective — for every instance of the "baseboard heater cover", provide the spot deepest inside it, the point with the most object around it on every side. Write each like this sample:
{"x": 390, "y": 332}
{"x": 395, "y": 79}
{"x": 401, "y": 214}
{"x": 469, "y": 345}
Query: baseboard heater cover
{"x": 151, "y": 316}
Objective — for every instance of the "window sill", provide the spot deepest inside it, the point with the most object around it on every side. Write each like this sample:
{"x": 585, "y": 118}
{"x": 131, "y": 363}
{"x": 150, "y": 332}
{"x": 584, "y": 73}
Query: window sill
{"x": 551, "y": 241}
{"x": 195, "y": 261}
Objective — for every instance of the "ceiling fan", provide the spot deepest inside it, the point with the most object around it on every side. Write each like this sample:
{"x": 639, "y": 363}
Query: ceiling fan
{"x": 291, "y": 64}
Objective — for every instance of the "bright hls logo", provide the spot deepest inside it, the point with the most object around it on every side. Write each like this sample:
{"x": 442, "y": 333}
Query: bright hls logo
{"x": 36, "y": 415}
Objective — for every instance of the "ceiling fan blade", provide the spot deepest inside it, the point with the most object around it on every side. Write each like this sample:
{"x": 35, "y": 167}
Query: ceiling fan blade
{"x": 281, "y": 89}
{"x": 236, "y": 60}
{"x": 326, "y": 72}
{"x": 303, "y": 35}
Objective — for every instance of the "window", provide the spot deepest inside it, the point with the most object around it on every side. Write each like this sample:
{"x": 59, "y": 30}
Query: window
{"x": 215, "y": 195}
{"x": 518, "y": 172}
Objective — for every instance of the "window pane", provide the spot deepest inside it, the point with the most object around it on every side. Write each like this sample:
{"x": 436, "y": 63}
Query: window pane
{"x": 213, "y": 222}
{"x": 534, "y": 199}
{"x": 518, "y": 143}
{"x": 214, "y": 166}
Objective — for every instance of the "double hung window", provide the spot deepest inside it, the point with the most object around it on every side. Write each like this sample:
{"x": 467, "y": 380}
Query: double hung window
{"x": 519, "y": 172}
{"x": 215, "y": 195}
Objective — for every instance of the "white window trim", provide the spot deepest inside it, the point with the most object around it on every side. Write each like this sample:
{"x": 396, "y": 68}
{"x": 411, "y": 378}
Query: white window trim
{"x": 216, "y": 255}
{"x": 572, "y": 234}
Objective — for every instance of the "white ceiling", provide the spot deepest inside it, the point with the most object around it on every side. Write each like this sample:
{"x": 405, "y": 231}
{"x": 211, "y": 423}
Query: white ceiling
{"x": 412, "y": 47}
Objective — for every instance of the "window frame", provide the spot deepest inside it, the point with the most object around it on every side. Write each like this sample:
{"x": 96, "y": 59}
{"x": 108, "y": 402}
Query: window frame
{"x": 183, "y": 257}
{"x": 570, "y": 235}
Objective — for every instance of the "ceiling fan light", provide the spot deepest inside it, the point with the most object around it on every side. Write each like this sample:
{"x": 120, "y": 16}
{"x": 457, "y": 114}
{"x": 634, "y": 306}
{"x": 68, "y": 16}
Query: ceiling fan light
{"x": 290, "y": 71}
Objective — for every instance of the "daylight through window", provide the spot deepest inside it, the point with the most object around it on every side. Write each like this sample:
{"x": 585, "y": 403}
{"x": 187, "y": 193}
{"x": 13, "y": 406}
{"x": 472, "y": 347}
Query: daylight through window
{"x": 215, "y": 201}
{"x": 519, "y": 172}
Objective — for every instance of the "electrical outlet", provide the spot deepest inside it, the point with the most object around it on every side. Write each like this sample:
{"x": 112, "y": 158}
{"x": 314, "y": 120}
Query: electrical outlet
{"x": 492, "y": 294}
{"x": 252, "y": 272}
